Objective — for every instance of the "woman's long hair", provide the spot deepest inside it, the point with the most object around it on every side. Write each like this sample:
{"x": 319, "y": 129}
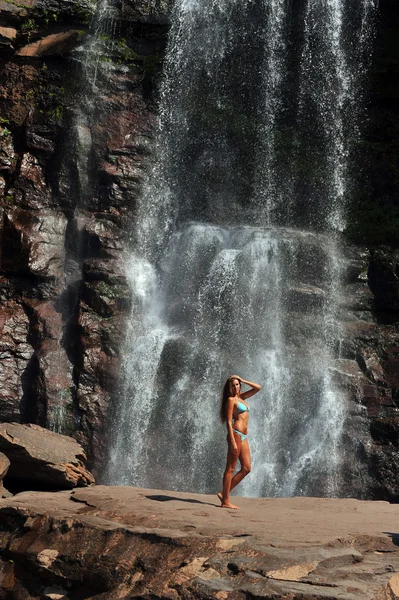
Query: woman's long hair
{"x": 225, "y": 395}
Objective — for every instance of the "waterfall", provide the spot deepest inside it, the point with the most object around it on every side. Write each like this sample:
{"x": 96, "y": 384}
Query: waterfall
{"x": 236, "y": 260}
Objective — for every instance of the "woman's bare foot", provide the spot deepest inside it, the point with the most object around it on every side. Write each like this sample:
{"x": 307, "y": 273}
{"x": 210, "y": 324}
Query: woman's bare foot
{"x": 227, "y": 504}
{"x": 230, "y": 505}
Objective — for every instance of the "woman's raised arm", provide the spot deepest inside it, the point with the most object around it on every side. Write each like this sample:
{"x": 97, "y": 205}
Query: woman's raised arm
{"x": 255, "y": 387}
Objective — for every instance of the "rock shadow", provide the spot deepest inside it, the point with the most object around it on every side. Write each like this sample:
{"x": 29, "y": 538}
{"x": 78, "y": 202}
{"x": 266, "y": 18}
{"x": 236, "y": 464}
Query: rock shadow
{"x": 394, "y": 537}
{"x": 164, "y": 498}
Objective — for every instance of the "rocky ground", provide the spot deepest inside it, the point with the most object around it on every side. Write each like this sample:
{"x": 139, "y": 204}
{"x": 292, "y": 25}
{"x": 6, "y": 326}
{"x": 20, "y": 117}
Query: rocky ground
{"x": 108, "y": 543}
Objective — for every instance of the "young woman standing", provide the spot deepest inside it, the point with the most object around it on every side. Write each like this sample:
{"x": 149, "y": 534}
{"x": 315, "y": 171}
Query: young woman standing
{"x": 234, "y": 412}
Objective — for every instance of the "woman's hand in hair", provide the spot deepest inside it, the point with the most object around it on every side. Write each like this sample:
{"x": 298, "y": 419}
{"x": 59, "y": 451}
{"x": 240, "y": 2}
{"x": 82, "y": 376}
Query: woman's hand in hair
{"x": 236, "y": 377}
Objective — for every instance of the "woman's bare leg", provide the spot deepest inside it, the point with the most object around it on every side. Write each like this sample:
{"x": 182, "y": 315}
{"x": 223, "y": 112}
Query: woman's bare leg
{"x": 231, "y": 462}
{"x": 245, "y": 462}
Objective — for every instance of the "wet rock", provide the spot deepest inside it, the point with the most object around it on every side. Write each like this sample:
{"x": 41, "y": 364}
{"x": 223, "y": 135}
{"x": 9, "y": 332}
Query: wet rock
{"x": 41, "y": 239}
{"x": 371, "y": 364}
{"x": 357, "y": 297}
{"x": 38, "y": 142}
{"x": 42, "y": 458}
{"x": 8, "y": 155}
{"x": 390, "y": 364}
{"x": 15, "y": 354}
{"x": 51, "y": 45}
{"x": 147, "y": 12}
{"x": 383, "y": 276}
{"x": 39, "y": 10}
{"x": 98, "y": 378}
{"x": 32, "y": 191}
{"x": 106, "y": 299}
{"x": 305, "y": 298}
{"x": 54, "y": 378}
{"x": 67, "y": 282}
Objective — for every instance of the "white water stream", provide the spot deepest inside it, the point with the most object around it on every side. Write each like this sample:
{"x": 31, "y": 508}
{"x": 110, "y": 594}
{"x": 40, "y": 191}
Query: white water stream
{"x": 236, "y": 264}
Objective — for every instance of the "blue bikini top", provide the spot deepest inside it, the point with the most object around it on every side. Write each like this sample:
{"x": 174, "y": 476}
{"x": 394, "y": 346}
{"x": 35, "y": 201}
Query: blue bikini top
{"x": 241, "y": 407}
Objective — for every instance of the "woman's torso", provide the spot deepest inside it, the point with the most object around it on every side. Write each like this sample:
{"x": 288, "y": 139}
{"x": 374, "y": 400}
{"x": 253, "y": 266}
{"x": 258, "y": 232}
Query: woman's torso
{"x": 240, "y": 416}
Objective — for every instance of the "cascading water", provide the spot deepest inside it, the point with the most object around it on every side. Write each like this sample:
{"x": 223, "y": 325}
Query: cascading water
{"x": 236, "y": 264}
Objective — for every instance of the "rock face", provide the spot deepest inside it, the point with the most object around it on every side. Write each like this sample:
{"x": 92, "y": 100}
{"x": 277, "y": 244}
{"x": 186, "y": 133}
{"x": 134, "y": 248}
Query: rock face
{"x": 119, "y": 543}
{"x": 71, "y": 165}
{"x": 39, "y": 458}
{"x": 4, "y": 465}
{"x": 368, "y": 370}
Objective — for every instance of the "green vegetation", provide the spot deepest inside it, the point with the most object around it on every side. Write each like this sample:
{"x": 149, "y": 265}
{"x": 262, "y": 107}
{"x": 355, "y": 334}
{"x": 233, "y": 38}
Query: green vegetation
{"x": 5, "y": 132}
{"x": 28, "y": 25}
{"x": 30, "y": 95}
{"x": 120, "y": 53}
{"x": 18, "y": 4}
{"x": 49, "y": 17}
{"x": 56, "y": 113}
{"x": 64, "y": 394}
{"x": 82, "y": 13}
{"x": 112, "y": 291}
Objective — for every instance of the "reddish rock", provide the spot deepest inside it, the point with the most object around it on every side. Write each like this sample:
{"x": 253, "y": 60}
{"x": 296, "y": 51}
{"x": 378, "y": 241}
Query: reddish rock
{"x": 18, "y": 90}
{"x": 118, "y": 131}
{"x": 373, "y": 366}
{"x": 7, "y": 35}
{"x": 41, "y": 237}
{"x": 375, "y": 399}
{"x": 56, "y": 43}
{"x": 8, "y": 155}
{"x": 31, "y": 189}
{"x": 54, "y": 377}
{"x": 390, "y": 364}
{"x": 120, "y": 543}
{"x": 4, "y": 466}
{"x": 42, "y": 458}
{"x": 15, "y": 353}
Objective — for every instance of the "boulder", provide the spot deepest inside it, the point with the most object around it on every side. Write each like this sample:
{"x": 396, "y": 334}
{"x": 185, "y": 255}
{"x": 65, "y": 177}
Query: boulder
{"x": 4, "y": 466}
{"x": 7, "y": 36}
{"x": 54, "y": 44}
{"x": 42, "y": 459}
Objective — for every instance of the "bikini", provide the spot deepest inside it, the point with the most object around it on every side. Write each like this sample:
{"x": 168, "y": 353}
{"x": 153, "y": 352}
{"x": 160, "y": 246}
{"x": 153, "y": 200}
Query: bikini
{"x": 241, "y": 408}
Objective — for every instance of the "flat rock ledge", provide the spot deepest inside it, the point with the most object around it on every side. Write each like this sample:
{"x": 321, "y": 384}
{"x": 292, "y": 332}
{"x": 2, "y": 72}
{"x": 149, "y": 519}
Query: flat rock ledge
{"x": 42, "y": 459}
{"x": 109, "y": 543}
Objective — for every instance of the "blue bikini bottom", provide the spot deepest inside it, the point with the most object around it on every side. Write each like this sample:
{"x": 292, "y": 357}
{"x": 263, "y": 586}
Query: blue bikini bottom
{"x": 243, "y": 436}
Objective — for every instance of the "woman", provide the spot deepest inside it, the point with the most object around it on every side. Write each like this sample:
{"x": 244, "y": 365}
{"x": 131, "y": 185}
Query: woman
{"x": 234, "y": 412}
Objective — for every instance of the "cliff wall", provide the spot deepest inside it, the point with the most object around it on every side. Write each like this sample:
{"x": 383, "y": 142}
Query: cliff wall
{"x": 71, "y": 165}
